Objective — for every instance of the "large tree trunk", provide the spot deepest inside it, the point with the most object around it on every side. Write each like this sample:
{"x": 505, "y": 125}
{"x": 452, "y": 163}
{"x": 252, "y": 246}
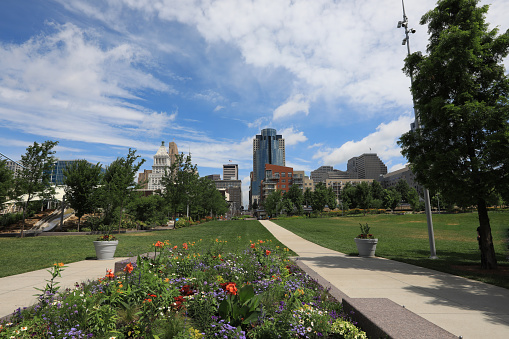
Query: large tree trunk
{"x": 488, "y": 257}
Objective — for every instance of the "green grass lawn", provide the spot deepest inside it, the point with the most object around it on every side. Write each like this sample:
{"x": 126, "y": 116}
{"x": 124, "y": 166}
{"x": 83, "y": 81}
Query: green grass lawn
{"x": 33, "y": 253}
{"x": 405, "y": 238}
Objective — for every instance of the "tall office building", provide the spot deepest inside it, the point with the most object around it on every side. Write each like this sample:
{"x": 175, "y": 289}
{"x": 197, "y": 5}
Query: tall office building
{"x": 231, "y": 172}
{"x": 162, "y": 163}
{"x": 366, "y": 166}
{"x": 268, "y": 148}
{"x": 172, "y": 151}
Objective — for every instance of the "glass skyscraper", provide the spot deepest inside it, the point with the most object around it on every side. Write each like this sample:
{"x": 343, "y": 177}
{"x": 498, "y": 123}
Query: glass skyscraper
{"x": 268, "y": 148}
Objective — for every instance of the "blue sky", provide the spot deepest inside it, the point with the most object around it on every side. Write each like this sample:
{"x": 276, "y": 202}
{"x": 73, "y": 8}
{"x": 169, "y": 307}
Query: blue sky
{"x": 103, "y": 76}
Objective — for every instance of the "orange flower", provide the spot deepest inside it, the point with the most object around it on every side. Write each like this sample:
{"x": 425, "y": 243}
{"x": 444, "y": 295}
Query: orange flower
{"x": 159, "y": 244}
{"x": 175, "y": 247}
{"x": 184, "y": 245}
{"x": 109, "y": 274}
{"x": 231, "y": 288}
{"x": 267, "y": 252}
{"x": 253, "y": 245}
{"x": 128, "y": 268}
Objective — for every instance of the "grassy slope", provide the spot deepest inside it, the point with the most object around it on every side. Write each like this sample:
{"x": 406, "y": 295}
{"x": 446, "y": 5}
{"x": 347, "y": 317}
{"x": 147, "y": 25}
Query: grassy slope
{"x": 28, "y": 254}
{"x": 405, "y": 238}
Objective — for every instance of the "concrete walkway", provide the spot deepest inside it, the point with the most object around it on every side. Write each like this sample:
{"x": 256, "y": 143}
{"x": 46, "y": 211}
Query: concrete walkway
{"x": 19, "y": 290}
{"x": 463, "y": 307}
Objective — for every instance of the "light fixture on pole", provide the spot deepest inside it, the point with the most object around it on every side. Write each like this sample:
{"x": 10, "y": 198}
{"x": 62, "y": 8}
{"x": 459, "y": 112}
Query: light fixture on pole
{"x": 406, "y": 41}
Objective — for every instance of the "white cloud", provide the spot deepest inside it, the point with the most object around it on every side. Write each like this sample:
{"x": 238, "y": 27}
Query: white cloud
{"x": 292, "y": 137}
{"x": 296, "y": 104}
{"x": 65, "y": 85}
{"x": 383, "y": 142}
{"x": 218, "y": 108}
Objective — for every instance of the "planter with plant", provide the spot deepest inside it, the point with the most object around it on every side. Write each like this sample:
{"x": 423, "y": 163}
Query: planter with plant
{"x": 105, "y": 245}
{"x": 366, "y": 242}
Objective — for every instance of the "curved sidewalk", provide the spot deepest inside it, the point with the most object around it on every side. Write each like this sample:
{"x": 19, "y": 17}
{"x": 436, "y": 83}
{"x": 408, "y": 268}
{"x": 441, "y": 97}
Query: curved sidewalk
{"x": 19, "y": 290}
{"x": 461, "y": 306}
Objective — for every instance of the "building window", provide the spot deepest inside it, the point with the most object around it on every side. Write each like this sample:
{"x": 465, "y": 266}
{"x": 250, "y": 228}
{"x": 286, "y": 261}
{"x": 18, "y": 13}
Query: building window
{"x": 290, "y": 174}
{"x": 283, "y": 180}
{"x": 283, "y": 186}
{"x": 283, "y": 174}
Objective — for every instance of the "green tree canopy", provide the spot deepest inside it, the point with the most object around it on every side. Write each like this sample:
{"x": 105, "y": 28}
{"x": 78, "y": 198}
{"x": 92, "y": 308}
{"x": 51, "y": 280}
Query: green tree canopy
{"x": 34, "y": 177}
{"x": 181, "y": 183}
{"x": 461, "y": 96}
{"x": 273, "y": 203}
{"x": 82, "y": 180}
{"x": 118, "y": 184}
{"x": 297, "y": 198}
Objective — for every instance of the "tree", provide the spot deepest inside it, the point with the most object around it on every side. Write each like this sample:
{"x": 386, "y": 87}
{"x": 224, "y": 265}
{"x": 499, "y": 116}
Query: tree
{"x": 377, "y": 193}
{"x": 363, "y": 195}
{"x": 209, "y": 199}
{"x": 320, "y": 197}
{"x": 180, "y": 183}
{"x": 296, "y": 197}
{"x": 118, "y": 185}
{"x": 34, "y": 177}
{"x": 392, "y": 198}
{"x": 348, "y": 196}
{"x": 152, "y": 210}
{"x": 273, "y": 203}
{"x": 461, "y": 148}
{"x": 6, "y": 182}
{"x": 308, "y": 196}
{"x": 82, "y": 180}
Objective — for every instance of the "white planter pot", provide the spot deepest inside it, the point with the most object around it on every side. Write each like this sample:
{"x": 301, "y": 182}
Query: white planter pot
{"x": 366, "y": 247}
{"x": 104, "y": 250}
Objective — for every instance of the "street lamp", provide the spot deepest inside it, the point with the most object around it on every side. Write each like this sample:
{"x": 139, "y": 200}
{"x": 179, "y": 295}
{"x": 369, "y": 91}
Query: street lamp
{"x": 406, "y": 41}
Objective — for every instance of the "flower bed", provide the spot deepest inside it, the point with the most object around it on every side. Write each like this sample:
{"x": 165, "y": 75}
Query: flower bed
{"x": 190, "y": 291}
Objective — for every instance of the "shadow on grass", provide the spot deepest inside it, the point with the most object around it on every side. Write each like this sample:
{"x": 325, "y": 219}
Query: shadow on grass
{"x": 444, "y": 289}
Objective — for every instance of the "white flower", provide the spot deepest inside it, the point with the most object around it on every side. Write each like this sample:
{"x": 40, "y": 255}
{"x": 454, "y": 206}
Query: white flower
{"x": 24, "y": 328}
{"x": 309, "y": 329}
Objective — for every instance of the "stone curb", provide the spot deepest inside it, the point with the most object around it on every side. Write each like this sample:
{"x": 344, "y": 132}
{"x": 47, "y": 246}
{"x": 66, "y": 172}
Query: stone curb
{"x": 381, "y": 317}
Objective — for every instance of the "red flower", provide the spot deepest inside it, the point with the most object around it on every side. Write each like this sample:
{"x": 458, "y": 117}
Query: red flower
{"x": 267, "y": 252}
{"x": 159, "y": 244}
{"x": 186, "y": 290}
{"x": 177, "y": 305}
{"x": 253, "y": 245}
{"x": 184, "y": 245}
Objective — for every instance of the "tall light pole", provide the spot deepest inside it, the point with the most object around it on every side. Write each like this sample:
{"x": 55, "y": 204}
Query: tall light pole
{"x": 406, "y": 41}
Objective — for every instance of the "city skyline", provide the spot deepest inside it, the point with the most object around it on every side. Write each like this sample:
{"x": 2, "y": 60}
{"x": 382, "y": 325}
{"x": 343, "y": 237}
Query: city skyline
{"x": 103, "y": 77}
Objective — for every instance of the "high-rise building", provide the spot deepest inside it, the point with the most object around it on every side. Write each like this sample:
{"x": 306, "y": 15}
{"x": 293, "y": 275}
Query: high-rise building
{"x": 172, "y": 151}
{"x": 276, "y": 178}
{"x": 161, "y": 164}
{"x": 366, "y": 166}
{"x": 231, "y": 172}
{"x": 268, "y": 148}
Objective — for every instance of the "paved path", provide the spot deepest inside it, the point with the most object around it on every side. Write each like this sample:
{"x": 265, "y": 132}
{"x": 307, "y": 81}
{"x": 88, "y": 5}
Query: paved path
{"x": 18, "y": 290}
{"x": 464, "y": 307}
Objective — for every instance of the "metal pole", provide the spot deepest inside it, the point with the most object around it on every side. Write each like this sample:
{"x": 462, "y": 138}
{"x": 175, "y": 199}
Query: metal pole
{"x": 431, "y": 235}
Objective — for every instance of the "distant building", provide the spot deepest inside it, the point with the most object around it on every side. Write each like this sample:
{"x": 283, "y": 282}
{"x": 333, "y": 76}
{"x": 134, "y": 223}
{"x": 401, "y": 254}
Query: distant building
{"x": 213, "y": 177}
{"x": 151, "y": 180}
{"x": 143, "y": 178}
{"x": 231, "y": 172}
{"x": 268, "y": 148}
{"x": 322, "y": 173}
{"x": 391, "y": 179}
{"x": 232, "y": 190}
{"x": 57, "y": 172}
{"x": 172, "y": 151}
{"x": 366, "y": 166}
{"x": 276, "y": 178}
{"x": 161, "y": 165}
{"x": 13, "y": 166}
